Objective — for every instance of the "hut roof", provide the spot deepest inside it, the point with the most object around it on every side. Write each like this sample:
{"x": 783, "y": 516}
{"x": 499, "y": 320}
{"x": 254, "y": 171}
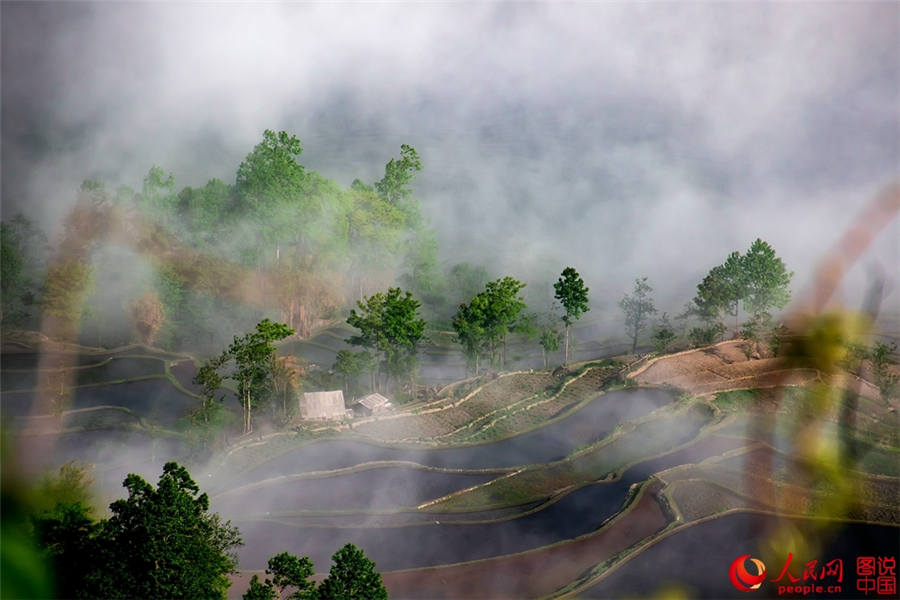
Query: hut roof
{"x": 373, "y": 401}
{"x": 322, "y": 405}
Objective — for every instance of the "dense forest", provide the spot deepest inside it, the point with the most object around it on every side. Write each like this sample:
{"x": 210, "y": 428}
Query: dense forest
{"x": 281, "y": 241}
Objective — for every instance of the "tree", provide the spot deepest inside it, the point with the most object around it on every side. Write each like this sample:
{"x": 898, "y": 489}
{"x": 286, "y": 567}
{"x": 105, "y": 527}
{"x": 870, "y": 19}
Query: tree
{"x": 276, "y": 192}
{"x": 289, "y": 572}
{"x": 573, "y": 295}
{"x": 469, "y": 325}
{"x": 19, "y": 241}
{"x": 256, "y": 368}
{"x": 663, "y": 335}
{"x": 887, "y": 380}
{"x": 260, "y": 591}
{"x": 390, "y": 324}
{"x": 484, "y": 323}
{"x": 271, "y": 171}
{"x": 210, "y": 381}
{"x": 12, "y": 267}
{"x": 766, "y": 280}
{"x": 375, "y": 232}
{"x": 159, "y": 543}
{"x": 637, "y": 308}
{"x": 549, "y": 342}
{"x": 252, "y": 355}
{"x": 68, "y": 536}
{"x": 704, "y": 336}
{"x": 352, "y": 577}
{"x": 286, "y": 372}
{"x": 398, "y": 174}
{"x": 351, "y": 365}
{"x": 64, "y": 527}
{"x": 758, "y": 278}
{"x": 504, "y": 307}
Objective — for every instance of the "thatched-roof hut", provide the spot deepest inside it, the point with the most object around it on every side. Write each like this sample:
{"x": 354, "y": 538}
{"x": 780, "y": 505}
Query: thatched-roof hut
{"x": 372, "y": 403}
{"x": 322, "y": 405}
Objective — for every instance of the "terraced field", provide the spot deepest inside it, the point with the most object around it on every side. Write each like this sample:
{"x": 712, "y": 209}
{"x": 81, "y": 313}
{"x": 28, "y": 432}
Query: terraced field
{"x": 517, "y": 485}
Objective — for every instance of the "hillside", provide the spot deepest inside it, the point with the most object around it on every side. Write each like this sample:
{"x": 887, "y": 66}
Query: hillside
{"x": 513, "y": 470}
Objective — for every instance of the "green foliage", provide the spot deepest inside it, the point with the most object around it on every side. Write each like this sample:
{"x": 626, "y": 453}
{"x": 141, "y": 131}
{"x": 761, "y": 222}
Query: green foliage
{"x": 352, "y": 577}
{"x": 260, "y": 591}
{"x": 69, "y": 485}
{"x": 549, "y": 340}
{"x": 882, "y": 357}
{"x": 571, "y": 292}
{"x": 68, "y": 536}
{"x": 776, "y": 338}
{"x": 390, "y": 324}
{"x": 465, "y": 280}
{"x": 423, "y": 275}
{"x": 351, "y": 365}
{"x": 209, "y": 380}
{"x": 204, "y": 211}
{"x": 704, "y": 336}
{"x": 722, "y": 289}
{"x": 637, "y": 308}
{"x": 271, "y": 173}
{"x": 398, "y": 173}
{"x": 157, "y": 196}
{"x": 468, "y": 323}
{"x": 766, "y": 279}
{"x": 159, "y": 543}
{"x": 483, "y": 325}
{"x": 313, "y": 243}
{"x": 253, "y": 357}
{"x": 758, "y": 278}
{"x": 291, "y": 572}
{"x": 163, "y": 542}
{"x": 663, "y": 335}
{"x": 12, "y": 275}
{"x": 375, "y": 232}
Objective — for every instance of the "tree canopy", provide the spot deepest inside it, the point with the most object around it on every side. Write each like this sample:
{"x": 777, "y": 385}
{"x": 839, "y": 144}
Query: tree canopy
{"x": 758, "y": 279}
{"x": 254, "y": 367}
{"x": 159, "y": 542}
{"x": 483, "y": 324}
{"x": 352, "y": 577}
{"x": 573, "y": 295}
{"x": 389, "y": 323}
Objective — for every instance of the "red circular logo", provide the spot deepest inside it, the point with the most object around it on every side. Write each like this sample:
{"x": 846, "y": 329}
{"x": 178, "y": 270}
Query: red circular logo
{"x": 741, "y": 577}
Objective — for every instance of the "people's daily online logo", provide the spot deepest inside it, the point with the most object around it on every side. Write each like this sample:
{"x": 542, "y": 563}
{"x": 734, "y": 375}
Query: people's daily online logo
{"x": 875, "y": 575}
{"x": 741, "y": 578}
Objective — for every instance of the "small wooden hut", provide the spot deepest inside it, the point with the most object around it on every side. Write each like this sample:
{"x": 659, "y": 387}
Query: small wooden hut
{"x": 372, "y": 404}
{"x": 322, "y": 405}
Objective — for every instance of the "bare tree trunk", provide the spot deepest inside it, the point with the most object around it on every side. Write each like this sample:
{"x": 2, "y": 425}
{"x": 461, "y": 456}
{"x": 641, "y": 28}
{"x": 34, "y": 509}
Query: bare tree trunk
{"x": 566, "y": 362}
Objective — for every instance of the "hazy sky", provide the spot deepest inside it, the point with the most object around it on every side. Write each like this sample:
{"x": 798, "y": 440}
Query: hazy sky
{"x": 625, "y": 139}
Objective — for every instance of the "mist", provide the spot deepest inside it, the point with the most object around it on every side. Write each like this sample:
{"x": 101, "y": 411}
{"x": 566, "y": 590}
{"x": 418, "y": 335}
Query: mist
{"x": 626, "y": 140}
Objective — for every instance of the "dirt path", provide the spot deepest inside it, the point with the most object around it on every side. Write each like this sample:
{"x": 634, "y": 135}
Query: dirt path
{"x": 724, "y": 367}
